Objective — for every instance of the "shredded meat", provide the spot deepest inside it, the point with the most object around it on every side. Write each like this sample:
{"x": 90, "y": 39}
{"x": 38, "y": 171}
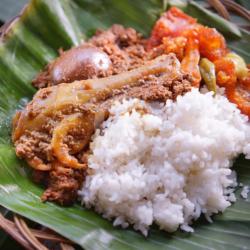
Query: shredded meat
{"x": 63, "y": 184}
{"x": 126, "y": 51}
{"x": 34, "y": 143}
{"x": 160, "y": 89}
{"x": 125, "y": 47}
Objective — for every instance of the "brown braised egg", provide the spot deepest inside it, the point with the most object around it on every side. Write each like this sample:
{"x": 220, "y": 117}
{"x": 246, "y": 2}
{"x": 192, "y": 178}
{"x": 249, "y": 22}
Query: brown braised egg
{"x": 79, "y": 63}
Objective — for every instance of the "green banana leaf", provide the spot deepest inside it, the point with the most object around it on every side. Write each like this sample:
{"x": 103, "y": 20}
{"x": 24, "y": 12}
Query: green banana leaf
{"x": 31, "y": 42}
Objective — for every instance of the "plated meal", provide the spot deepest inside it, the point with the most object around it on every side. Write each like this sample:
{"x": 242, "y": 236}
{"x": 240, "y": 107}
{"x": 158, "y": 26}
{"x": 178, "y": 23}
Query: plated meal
{"x": 142, "y": 130}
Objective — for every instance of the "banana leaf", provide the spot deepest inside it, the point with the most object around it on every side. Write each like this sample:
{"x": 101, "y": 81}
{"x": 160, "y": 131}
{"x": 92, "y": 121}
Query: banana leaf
{"x": 34, "y": 40}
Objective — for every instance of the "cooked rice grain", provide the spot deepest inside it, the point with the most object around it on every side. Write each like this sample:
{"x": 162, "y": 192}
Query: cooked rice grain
{"x": 168, "y": 165}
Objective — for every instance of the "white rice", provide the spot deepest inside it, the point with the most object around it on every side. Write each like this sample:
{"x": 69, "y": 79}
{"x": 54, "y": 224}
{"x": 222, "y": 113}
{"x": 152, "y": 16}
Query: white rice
{"x": 167, "y": 166}
{"x": 244, "y": 192}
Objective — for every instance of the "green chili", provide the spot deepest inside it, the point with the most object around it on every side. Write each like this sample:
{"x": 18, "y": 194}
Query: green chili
{"x": 207, "y": 70}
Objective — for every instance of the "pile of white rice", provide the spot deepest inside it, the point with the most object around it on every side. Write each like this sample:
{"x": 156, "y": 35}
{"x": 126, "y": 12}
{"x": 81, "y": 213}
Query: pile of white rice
{"x": 167, "y": 165}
